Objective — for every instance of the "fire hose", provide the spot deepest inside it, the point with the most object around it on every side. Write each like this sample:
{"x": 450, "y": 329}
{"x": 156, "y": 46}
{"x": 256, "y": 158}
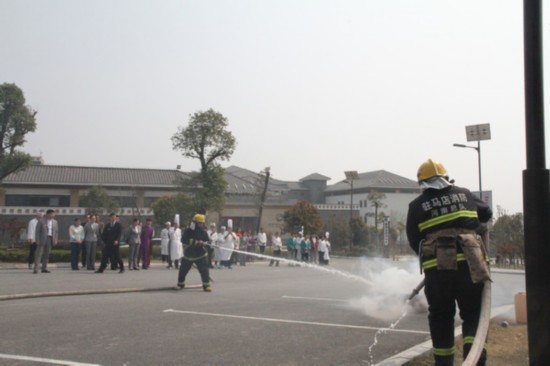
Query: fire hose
{"x": 482, "y": 326}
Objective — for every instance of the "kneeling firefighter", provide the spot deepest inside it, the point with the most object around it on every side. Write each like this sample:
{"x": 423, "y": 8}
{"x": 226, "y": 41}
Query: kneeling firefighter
{"x": 443, "y": 227}
{"x": 195, "y": 239}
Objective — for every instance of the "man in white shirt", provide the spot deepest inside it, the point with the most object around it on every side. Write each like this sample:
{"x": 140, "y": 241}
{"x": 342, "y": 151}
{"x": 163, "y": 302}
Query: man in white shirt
{"x": 277, "y": 245}
{"x": 31, "y": 236}
{"x": 262, "y": 240}
{"x": 76, "y": 235}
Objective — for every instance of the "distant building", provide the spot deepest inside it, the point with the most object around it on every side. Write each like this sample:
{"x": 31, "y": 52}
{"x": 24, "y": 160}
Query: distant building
{"x": 243, "y": 192}
{"x": 60, "y": 187}
{"x": 399, "y": 191}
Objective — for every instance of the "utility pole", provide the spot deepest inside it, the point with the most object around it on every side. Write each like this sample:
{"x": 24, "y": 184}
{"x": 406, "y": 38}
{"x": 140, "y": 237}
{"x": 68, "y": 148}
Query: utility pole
{"x": 351, "y": 175}
{"x": 536, "y": 191}
{"x": 262, "y": 199}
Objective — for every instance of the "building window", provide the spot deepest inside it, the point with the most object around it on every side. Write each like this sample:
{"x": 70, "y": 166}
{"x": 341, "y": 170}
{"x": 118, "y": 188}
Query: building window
{"x": 37, "y": 201}
{"x": 148, "y": 201}
{"x": 125, "y": 201}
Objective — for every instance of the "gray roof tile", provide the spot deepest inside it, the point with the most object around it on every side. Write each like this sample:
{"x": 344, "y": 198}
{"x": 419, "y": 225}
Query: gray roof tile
{"x": 376, "y": 179}
{"x": 315, "y": 176}
{"x": 87, "y": 176}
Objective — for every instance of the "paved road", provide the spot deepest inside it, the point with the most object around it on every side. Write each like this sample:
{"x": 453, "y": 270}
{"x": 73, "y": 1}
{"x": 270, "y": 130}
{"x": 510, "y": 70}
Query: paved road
{"x": 256, "y": 315}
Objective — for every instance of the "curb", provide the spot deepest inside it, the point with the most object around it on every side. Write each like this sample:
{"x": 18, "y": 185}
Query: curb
{"x": 418, "y": 350}
{"x": 12, "y": 266}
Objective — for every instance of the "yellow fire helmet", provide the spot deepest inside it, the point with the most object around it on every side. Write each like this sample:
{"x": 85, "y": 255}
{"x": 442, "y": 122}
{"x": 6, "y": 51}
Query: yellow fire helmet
{"x": 199, "y": 218}
{"x": 429, "y": 169}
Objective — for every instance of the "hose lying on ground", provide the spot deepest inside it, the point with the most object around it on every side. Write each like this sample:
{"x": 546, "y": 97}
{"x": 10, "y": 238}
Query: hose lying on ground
{"x": 33, "y": 295}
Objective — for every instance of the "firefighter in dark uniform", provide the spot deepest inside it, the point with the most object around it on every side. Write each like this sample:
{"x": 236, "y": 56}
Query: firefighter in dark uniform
{"x": 439, "y": 222}
{"x": 195, "y": 239}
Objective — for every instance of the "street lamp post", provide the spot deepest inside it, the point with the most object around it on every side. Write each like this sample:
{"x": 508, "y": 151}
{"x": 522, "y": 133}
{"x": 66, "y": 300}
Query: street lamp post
{"x": 477, "y": 133}
{"x": 350, "y": 177}
{"x": 478, "y": 149}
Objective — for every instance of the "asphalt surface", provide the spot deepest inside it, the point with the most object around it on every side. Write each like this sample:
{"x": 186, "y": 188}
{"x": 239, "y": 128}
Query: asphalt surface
{"x": 256, "y": 315}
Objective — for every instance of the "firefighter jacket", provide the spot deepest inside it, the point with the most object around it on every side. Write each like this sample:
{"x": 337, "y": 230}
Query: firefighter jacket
{"x": 191, "y": 239}
{"x": 447, "y": 208}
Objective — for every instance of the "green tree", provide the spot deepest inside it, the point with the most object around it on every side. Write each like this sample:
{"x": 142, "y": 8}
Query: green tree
{"x": 507, "y": 235}
{"x": 207, "y": 139}
{"x": 16, "y": 120}
{"x": 12, "y": 227}
{"x": 303, "y": 214}
{"x": 166, "y": 207}
{"x": 376, "y": 199}
{"x": 339, "y": 230}
{"x": 98, "y": 202}
{"x": 359, "y": 231}
{"x": 206, "y": 188}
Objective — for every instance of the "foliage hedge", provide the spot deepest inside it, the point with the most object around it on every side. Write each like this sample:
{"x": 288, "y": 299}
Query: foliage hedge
{"x": 58, "y": 254}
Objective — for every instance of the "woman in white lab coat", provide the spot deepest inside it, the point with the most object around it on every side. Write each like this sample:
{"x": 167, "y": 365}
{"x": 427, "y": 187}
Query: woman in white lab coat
{"x": 165, "y": 244}
{"x": 176, "y": 248}
{"x": 229, "y": 238}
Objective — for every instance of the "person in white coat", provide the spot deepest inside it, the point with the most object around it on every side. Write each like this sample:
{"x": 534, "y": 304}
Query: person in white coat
{"x": 165, "y": 243}
{"x": 229, "y": 238}
{"x": 176, "y": 248}
{"x": 277, "y": 245}
{"x": 326, "y": 256}
{"x": 323, "y": 248}
{"x": 215, "y": 240}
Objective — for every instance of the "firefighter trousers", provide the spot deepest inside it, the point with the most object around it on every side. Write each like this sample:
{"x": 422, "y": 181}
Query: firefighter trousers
{"x": 444, "y": 289}
{"x": 202, "y": 266}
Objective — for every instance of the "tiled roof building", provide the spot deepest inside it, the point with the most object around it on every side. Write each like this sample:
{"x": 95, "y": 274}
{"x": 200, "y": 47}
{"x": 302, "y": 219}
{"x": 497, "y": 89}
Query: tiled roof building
{"x": 55, "y": 175}
{"x": 44, "y": 186}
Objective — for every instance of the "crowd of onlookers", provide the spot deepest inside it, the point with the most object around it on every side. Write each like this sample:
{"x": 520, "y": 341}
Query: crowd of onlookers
{"x": 227, "y": 247}
{"x": 308, "y": 248}
{"x": 86, "y": 238}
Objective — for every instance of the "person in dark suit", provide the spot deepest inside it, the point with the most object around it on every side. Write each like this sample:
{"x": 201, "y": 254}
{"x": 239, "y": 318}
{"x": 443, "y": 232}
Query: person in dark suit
{"x": 111, "y": 238}
{"x": 46, "y": 234}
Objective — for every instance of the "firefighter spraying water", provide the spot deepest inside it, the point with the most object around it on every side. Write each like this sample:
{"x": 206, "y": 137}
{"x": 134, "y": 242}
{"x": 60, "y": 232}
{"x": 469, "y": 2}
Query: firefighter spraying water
{"x": 196, "y": 239}
{"x": 443, "y": 228}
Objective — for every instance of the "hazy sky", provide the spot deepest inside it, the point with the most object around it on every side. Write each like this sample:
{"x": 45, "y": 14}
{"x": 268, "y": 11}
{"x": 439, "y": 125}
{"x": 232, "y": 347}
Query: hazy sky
{"x": 307, "y": 86}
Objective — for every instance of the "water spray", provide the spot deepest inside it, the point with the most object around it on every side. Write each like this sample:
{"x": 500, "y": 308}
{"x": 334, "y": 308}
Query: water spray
{"x": 344, "y": 274}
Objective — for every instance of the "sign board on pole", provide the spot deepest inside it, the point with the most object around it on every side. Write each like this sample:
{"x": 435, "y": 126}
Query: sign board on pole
{"x": 478, "y": 132}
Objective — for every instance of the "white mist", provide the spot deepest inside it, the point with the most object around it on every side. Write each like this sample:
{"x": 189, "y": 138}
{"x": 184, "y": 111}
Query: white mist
{"x": 391, "y": 284}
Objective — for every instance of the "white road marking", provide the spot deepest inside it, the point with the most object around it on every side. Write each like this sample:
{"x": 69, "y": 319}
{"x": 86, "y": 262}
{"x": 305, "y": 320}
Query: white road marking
{"x": 293, "y": 321}
{"x": 313, "y": 298}
{"x": 45, "y": 360}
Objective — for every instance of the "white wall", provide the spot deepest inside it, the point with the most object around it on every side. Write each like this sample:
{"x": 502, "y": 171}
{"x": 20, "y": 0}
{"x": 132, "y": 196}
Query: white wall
{"x": 396, "y": 204}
